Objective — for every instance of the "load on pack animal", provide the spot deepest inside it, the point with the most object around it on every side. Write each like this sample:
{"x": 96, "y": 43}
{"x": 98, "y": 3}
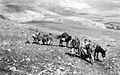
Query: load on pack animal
{"x": 36, "y": 38}
{"x": 86, "y": 50}
{"x": 45, "y": 39}
{"x": 75, "y": 45}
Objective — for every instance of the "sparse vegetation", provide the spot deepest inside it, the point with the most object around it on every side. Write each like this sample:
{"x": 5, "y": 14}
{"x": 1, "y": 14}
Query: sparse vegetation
{"x": 20, "y": 58}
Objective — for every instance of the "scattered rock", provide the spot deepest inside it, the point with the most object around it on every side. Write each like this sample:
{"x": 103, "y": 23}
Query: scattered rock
{"x": 9, "y": 50}
{"x": 1, "y": 16}
{"x": 13, "y": 68}
{"x": 28, "y": 59}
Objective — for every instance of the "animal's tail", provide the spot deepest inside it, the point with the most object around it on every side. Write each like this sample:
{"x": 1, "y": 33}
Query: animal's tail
{"x": 58, "y": 37}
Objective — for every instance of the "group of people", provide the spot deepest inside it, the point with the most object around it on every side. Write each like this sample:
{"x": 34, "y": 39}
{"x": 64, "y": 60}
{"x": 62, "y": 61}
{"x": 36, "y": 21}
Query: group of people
{"x": 85, "y": 49}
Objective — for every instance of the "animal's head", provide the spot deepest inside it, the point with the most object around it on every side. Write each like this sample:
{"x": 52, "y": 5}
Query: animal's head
{"x": 104, "y": 53}
{"x": 38, "y": 33}
{"x": 50, "y": 33}
{"x": 85, "y": 40}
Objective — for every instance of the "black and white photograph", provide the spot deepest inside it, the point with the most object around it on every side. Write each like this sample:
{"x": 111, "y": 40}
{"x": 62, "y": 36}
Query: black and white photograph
{"x": 59, "y": 37}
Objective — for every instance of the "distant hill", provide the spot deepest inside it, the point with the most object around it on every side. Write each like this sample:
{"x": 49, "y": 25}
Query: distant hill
{"x": 50, "y": 10}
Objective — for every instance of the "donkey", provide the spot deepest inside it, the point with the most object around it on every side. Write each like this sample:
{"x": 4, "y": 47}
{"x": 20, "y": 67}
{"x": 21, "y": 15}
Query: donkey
{"x": 65, "y": 37}
{"x": 45, "y": 39}
{"x": 36, "y": 38}
{"x": 87, "y": 52}
{"x": 98, "y": 50}
{"x": 75, "y": 44}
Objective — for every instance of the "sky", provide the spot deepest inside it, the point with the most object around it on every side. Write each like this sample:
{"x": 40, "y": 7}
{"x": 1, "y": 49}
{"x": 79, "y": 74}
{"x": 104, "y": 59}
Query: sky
{"x": 102, "y": 4}
{"x": 111, "y": 7}
{"x": 106, "y": 7}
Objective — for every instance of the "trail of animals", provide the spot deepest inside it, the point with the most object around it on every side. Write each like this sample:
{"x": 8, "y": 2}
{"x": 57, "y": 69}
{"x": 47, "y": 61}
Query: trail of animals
{"x": 86, "y": 50}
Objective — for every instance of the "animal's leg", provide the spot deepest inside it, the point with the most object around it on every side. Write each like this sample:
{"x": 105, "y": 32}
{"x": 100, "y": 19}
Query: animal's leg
{"x": 70, "y": 45}
{"x": 97, "y": 56}
{"x": 66, "y": 44}
{"x": 92, "y": 59}
{"x": 79, "y": 52}
{"x": 94, "y": 55}
{"x": 34, "y": 38}
{"x": 37, "y": 41}
{"x": 75, "y": 51}
{"x": 60, "y": 43}
{"x": 46, "y": 42}
{"x": 43, "y": 42}
{"x": 49, "y": 42}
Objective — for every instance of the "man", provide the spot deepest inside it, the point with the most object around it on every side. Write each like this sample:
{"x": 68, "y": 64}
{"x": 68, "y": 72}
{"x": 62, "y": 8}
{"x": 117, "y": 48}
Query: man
{"x": 50, "y": 39}
{"x": 84, "y": 43}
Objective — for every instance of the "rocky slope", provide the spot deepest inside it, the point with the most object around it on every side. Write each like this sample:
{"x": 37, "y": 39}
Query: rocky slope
{"x": 19, "y": 19}
{"x": 23, "y": 10}
{"x": 18, "y": 57}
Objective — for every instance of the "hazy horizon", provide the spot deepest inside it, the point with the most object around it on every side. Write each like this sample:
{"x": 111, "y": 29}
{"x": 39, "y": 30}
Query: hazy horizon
{"x": 102, "y": 7}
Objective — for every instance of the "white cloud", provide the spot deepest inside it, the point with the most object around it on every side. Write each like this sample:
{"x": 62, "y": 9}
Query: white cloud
{"x": 89, "y": 6}
{"x": 92, "y": 6}
{"x": 103, "y": 4}
{"x": 74, "y": 4}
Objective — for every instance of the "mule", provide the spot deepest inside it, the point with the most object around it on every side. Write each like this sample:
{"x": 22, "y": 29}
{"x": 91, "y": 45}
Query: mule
{"x": 45, "y": 39}
{"x": 75, "y": 44}
{"x": 87, "y": 52}
{"x": 36, "y": 38}
{"x": 98, "y": 50}
{"x": 65, "y": 37}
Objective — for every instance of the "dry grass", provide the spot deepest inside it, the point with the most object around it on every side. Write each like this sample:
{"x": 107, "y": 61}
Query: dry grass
{"x": 19, "y": 58}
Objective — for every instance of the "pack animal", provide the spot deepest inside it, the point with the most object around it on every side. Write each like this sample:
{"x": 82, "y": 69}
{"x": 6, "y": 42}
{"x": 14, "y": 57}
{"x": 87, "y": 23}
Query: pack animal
{"x": 65, "y": 37}
{"x": 87, "y": 52}
{"x": 98, "y": 50}
{"x": 45, "y": 39}
{"x": 36, "y": 38}
{"x": 75, "y": 45}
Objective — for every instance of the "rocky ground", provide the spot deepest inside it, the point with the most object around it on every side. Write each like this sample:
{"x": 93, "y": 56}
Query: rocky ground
{"x": 20, "y": 58}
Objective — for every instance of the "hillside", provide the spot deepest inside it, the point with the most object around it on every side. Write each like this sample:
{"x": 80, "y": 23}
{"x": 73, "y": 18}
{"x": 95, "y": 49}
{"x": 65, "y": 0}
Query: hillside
{"x": 32, "y": 59}
{"x": 19, "y": 19}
